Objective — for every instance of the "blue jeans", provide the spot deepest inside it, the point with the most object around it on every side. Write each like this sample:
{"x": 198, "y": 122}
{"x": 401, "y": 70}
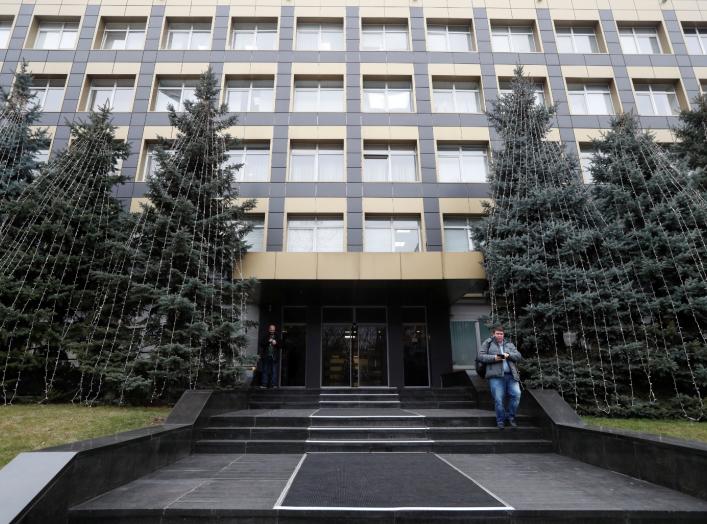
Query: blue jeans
{"x": 269, "y": 372}
{"x": 500, "y": 387}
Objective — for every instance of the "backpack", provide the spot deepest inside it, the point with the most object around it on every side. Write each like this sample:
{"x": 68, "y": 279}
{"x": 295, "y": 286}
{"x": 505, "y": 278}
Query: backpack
{"x": 480, "y": 368}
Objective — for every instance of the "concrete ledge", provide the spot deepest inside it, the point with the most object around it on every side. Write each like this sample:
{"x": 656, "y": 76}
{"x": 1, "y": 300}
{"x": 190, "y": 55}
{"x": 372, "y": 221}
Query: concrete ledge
{"x": 674, "y": 463}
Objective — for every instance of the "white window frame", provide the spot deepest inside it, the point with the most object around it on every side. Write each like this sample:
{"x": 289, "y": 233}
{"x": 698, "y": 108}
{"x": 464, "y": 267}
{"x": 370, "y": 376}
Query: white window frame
{"x": 387, "y": 27}
{"x": 317, "y": 150}
{"x": 635, "y": 38}
{"x": 454, "y": 90}
{"x": 318, "y": 89}
{"x": 538, "y": 90}
{"x": 586, "y": 153}
{"x": 41, "y": 92}
{"x": 507, "y": 31}
{"x": 127, "y": 32}
{"x": 470, "y": 220}
{"x": 462, "y": 151}
{"x": 697, "y": 35}
{"x": 191, "y": 31}
{"x": 315, "y": 229}
{"x": 250, "y": 90}
{"x": 257, "y": 220}
{"x": 587, "y": 89}
{"x": 321, "y": 25}
{"x": 182, "y": 87}
{"x": 391, "y": 151}
{"x": 93, "y": 89}
{"x": 255, "y": 28}
{"x": 652, "y": 91}
{"x": 387, "y": 91}
{"x": 151, "y": 160}
{"x": 449, "y": 28}
{"x": 64, "y": 27}
{"x": 239, "y": 155}
{"x": 393, "y": 230}
{"x": 6, "y": 30}
{"x": 572, "y": 31}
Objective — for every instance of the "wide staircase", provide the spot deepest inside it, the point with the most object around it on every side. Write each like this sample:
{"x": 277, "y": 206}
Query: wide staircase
{"x": 367, "y": 420}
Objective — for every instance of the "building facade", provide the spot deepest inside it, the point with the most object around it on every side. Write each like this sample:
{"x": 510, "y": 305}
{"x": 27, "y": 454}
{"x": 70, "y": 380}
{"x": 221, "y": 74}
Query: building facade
{"x": 364, "y": 139}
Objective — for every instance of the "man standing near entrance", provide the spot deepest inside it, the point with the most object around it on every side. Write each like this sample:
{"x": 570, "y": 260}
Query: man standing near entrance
{"x": 270, "y": 346}
{"x": 500, "y": 357}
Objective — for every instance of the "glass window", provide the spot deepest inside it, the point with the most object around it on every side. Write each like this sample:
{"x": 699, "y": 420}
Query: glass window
{"x": 57, "y": 35}
{"x": 49, "y": 93}
{"x": 254, "y": 159}
{"x": 256, "y": 236}
{"x": 124, "y": 36}
{"x": 586, "y": 155}
{"x": 538, "y": 90}
{"x": 516, "y": 39}
{"x": 457, "y": 234}
{"x": 462, "y": 163}
{"x": 151, "y": 163}
{"x": 315, "y": 234}
{"x": 320, "y": 36}
{"x": 387, "y": 96}
{"x": 389, "y": 163}
{"x": 576, "y": 40}
{"x": 696, "y": 40}
{"x": 456, "y": 96}
{"x": 590, "y": 99}
{"x": 189, "y": 35}
{"x": 255, "y": 35}
{"x": 639, "y": 40}
{"x": 448, "y": 37}
{"x": 315, "y": 95}
{"x": 5, "y": 28}
{"x": 116, "y": 92}
{"x": 174, "y": 92}
{"x": 656, "y": 99}
{"x": 317, "y": 162}
{"x": 384, "y": 37}
{"x": 250, "y": 95}
{"x": 392, "y": 235}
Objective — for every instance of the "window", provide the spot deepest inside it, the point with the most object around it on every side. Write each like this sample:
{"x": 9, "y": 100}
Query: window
{"x": 255, "y": 160}
{"x": 392, "y": 235}
{"x": 116, "y": 92}
{"x": 151, "y": 162}
{"x": 123, "y": 35}
{"x": 695, "y": 39}
{"x": 586, "y": 155}
{"x": 49, "y": 93}
{"x": 255, "y": 35}
{"x": 256, "y": 236}
{"x": 538, "y": 90}
{"x": 389, "y": 163}
{"x": 384, "y": 37}
{"x": 656, "y": 99}
{"x": 516, "y": 39}
{"x": 41, "y": 157}
{"x": 590, "y": 99}
{"x": 317, "y": 162}
{"x": 387, "y": 95}
{"x": 456, "y": 96}
{"x": 319, "y": 94}
{"x": 576, "y": 40}
{"x": 174, "y": 92}
{"x": 254, "y": 94}
{"x": 315, "y": 234}
{"x": 320, "y": 36}
{"x": 56, "y": 35}
{"x": 5, "y": 28}
{"x": 457, "y": 234}
{"x": 449, "y": 37}
{"x": 461, "y": 163}
{"x": 188, "y": 35}
{"x": 639, "y": 40}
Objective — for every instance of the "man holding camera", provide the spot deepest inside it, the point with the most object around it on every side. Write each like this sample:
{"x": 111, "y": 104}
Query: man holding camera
{"x": 500, "y": 357}
{"x": 269, "y": 356}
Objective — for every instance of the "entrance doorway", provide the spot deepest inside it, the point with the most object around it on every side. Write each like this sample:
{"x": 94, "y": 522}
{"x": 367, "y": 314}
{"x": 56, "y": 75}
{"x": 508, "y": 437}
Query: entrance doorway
{"x": 294, "y": 343}
{"x": 354, "y": 346}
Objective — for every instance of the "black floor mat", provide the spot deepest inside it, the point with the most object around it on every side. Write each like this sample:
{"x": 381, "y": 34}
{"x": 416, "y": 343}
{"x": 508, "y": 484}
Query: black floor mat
{"x": 383, "y": 480}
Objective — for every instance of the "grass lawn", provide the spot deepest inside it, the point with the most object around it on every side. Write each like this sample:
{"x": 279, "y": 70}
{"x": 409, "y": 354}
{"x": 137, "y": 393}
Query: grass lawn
{"x": 670, "y": 428}
{"x": 30, "y": 427}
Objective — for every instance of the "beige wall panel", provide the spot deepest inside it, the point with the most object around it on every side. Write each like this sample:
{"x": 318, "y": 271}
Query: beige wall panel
{"x": 172, "y": 10}
{"x": 51, "y": 130}
{"x": 121, "y": 132}
{"x": 701, "y": 73}
{"x": 479, "y": 134}
{"x": 380, "y": 266}
{"x": 438, "y": 12}
{"x": 296, "y": 266}
{"x": 463, "y": 265}
{"x": 663, "y": 135}
{"x": 388, "y": 69}
{"x": 251, "y": 132}
{"x": 691, "y": 15}
{"x": 408, "y": 205}
{"x": 270, "y": 11}
{"x": 389, "y": 133}
{"x": 317, "y": 132}
{"x": 454, "y": 69}
{"x": 461, "y": 206}
{"x": 587, "y": 71}
{"x": 261, "y": 204}
{"x": 338, "y": 266}
{"x": 231, "y": 68}
{"x": 536, "y": 70}
{"x": 377, "y": 205}
{"x": 553, "y": 135}
{"x": 322, "y": 11}
{"x": 137, "y": 203}
{"x": 315, "y": 205}
{"x": 48, "y": 68}
{"x": 421, "y": 266}
{"x": 671, "y": 73}
{"x": 318, "y": 69}
{"x": 154, "y": 132}
{"x": 259, "y": 265}
{"x": 587, "y": 135}
{"x": 168, "y": 68}
{"x": 495, "y": 13}
{"x": 389, "y": 9}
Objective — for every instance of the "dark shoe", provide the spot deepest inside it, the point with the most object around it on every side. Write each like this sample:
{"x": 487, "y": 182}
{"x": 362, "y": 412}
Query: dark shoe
{"x": 513, "y": 422}
{"x": 501, "y": 426}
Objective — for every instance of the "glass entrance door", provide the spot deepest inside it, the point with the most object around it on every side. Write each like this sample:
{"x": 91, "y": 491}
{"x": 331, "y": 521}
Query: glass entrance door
{"x": 354, "y": 347}
{"x": 294, "y": 343}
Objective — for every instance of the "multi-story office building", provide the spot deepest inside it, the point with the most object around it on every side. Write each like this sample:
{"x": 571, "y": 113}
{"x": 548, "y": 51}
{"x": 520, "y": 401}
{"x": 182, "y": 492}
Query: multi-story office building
{"x": 364, "y": 136}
